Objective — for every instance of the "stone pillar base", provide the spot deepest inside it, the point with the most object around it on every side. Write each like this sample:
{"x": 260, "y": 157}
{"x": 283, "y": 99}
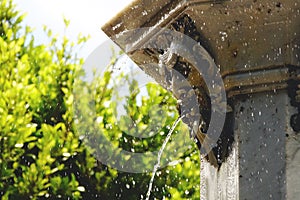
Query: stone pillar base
{"x": 265, "y": 159}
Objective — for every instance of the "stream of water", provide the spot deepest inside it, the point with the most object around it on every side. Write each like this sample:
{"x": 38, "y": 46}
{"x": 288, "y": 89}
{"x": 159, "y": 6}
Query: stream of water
{"x": 157, "y": 165}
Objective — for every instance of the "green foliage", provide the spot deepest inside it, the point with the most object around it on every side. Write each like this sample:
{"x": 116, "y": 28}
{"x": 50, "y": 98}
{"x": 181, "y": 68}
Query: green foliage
{"x": 43, "y": 153}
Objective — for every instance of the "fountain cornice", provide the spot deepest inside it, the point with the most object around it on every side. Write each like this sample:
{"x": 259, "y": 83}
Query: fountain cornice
{"x": 254, "y": 43}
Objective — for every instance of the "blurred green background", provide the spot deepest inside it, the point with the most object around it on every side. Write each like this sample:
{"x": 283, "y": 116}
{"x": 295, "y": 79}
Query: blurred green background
{"x": 42, "y": 152}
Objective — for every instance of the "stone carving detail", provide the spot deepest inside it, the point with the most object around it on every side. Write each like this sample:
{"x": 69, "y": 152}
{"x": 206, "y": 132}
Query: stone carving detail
{"x": 188, "y": 81}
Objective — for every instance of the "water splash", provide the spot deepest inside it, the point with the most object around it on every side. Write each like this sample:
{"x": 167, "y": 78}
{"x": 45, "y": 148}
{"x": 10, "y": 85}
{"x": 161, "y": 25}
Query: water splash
{"x": 157, "y": 165}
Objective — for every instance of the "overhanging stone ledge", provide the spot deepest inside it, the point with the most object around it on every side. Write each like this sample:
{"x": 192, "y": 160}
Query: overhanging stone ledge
{"x": 243, "y": 37}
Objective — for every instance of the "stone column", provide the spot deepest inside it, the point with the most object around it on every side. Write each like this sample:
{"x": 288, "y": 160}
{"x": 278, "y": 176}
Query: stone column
{"x": 265, "y": 159}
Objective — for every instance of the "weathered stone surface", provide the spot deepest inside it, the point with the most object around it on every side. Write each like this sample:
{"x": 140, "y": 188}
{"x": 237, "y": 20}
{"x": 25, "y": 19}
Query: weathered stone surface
{"x": 242, "y": 36}
{"x": 256, "y": 45}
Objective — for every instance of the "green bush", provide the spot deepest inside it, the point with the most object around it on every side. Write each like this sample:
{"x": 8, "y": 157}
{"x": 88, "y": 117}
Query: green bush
{"x": 42, "y": 155}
